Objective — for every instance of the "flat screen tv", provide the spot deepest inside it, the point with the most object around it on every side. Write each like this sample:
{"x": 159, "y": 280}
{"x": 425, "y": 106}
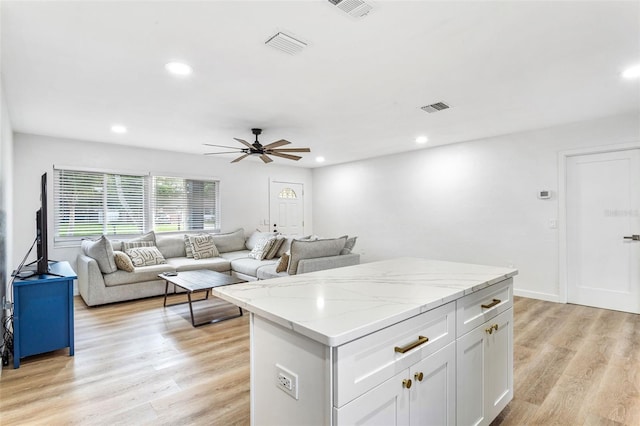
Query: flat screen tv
{"x": 41, "y": 230}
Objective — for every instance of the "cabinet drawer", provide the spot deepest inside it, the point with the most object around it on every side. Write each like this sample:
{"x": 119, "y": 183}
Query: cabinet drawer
{"x": 476, "y": 308}
{"x": 365, "y": 363}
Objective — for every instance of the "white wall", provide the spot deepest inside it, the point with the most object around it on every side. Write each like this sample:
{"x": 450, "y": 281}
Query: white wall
{"x": 6, "y": 194}
{"x": 469, "y": 202}
{"x": 244, "y": 187}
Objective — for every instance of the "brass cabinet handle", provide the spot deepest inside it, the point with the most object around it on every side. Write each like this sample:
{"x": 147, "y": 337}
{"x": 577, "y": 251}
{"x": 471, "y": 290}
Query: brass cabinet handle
{"x": 406, "y": 383}
{"x": 421, "y": 340}
{"x": 492, "y": 304}
{"x": 491, "y": 328}
{"x": 418, "y": 376}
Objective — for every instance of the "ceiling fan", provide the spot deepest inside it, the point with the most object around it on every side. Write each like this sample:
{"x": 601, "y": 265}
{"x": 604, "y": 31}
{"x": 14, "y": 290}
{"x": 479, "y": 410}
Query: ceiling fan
{"x": 264, "y": 151}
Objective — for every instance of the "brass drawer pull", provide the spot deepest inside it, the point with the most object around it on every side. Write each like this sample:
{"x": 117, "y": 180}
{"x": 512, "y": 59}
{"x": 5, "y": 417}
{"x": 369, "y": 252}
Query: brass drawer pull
{"x": 491, "y": 328}
{"x": 406, "y": 383}
{"x": 492, "y": 304}
{"x": 421, "y": 340}
{"x": 418, "y": 376}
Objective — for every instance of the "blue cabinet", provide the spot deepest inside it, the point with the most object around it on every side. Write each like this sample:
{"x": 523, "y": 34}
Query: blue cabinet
{"x": 43, "y": 312}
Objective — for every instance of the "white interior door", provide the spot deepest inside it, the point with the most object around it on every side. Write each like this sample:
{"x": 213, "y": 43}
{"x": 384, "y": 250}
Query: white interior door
{"x": 286, "y": 207}
{"x": 603, "y": 207}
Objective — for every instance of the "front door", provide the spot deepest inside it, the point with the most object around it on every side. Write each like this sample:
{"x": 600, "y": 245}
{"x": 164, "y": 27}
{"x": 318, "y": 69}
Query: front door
{"x": 287, "y": 207}
{"x": 603, "y": 214}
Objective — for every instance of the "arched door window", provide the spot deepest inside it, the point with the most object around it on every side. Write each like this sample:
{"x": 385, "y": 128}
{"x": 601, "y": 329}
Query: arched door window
{"x": 287, "y": 193}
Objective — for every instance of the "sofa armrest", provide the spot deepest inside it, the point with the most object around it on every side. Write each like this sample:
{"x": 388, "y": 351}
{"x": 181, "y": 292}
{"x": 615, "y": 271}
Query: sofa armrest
{"x": 330, "y": 262}
{"x": 90, "y": 278}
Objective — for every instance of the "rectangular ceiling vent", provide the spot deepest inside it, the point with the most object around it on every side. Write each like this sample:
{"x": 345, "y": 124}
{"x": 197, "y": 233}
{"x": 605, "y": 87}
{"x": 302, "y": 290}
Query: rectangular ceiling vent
{"x": 354, "y": 8}
{"x": 438, "y": 106}
{"x": 286, "y": 44}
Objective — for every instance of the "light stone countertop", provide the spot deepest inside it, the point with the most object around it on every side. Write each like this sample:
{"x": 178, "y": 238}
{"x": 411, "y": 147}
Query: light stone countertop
{"x": 337, "y": 306}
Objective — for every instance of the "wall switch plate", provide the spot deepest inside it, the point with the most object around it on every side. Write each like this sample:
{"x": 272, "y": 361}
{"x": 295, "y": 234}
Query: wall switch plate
{"x": 287, "y": 381}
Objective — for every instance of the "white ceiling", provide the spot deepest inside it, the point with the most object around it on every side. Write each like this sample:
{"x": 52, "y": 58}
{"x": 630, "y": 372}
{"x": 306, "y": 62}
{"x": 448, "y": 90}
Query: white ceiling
{"x": 73, "y": 68}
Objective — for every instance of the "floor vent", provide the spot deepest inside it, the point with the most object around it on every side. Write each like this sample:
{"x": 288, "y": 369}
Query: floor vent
{"x": 286, "y": 44}
{"x": 354, "y": 8}
{"x": 438, "y": 106}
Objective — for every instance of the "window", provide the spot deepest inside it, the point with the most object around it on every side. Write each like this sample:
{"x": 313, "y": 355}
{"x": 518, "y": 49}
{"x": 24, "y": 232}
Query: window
{"x": 184, "y": 204}
{"x": 287, "y": 193}
{"x": 88, "y": 204}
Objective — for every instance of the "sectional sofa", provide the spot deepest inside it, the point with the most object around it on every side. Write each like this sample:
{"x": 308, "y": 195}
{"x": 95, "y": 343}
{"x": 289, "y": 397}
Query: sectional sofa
{"x": 101, "y": 280}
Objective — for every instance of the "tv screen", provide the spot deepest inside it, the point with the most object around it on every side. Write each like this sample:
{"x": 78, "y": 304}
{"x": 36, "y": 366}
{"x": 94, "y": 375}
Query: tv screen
{"x": 41, "y": 230}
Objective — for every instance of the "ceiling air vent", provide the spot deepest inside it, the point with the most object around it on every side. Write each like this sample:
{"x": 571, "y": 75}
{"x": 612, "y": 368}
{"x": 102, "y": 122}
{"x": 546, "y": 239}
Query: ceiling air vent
{"x": 438, "y": 106}
{"x": 286, "y": 43}
{"x": 354, "y": 8}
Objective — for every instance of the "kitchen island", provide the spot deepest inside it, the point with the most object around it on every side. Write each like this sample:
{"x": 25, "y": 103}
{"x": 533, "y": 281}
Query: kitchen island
{"x": 401, "y": 341}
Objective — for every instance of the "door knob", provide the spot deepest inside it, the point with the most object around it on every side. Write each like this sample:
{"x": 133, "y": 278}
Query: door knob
{"x": 634, "y": 237}
{"x": 418, "y": 376}
{"x": 406, "y": 383}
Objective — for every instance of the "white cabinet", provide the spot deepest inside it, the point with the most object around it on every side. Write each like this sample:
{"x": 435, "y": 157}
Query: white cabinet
{"x": 423, "y": 394}
{"x": 485, "y": 370}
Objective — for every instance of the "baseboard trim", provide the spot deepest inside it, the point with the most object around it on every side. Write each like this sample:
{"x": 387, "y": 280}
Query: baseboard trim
{"x": 537, "y": 295}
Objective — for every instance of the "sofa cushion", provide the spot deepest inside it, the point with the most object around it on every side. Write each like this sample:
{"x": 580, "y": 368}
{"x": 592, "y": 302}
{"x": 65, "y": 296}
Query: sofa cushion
{"x": 123, "y": 261}
{"x": 141, "y": 274}
{"x": 171, "y": 245}
{"x": 249, "y": 266}
{"x": 232, "y": 255}
{"x": 313, "y": 249}
{"x": 217, "y": 264}
{"x": 262, "y": 247}
{"x": 102, "y": 251}
{"x": 145, "y": 256}
{"x": 202, "y": 246}
{"x": 232, "y": 241}
{"x": 270, "y": 271}
{"x": 256, "y": 237}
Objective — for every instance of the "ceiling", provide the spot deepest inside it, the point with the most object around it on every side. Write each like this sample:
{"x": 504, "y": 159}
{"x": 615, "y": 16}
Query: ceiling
{"x": 73, "y": 68}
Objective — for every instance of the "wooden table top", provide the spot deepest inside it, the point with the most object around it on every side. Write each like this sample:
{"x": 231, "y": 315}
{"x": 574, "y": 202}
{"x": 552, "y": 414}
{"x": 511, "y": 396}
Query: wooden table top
{"x": 201, "y": 279}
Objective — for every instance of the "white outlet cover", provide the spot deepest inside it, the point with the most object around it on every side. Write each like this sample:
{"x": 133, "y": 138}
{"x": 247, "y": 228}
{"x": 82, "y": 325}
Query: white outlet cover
{"x": 286, "y": 377}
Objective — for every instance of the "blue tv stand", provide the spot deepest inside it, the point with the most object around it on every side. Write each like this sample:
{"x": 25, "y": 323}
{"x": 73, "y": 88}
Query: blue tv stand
{"x": 43, "y": 312}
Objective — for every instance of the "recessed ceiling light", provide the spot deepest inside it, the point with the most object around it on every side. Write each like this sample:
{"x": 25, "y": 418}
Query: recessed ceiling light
{"x": 421, "y": 139}
{"x": 178, "y": 68}
{"x": 118, "y": 128}
{"x": 632, "y": 72}
{"x": 319, "y": 159}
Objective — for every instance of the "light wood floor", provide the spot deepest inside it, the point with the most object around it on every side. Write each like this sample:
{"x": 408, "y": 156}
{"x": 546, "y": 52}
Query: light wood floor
{"x": 137, "y": 363}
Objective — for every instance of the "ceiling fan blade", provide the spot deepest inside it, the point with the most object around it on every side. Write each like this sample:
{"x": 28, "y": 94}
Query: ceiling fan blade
{"x": 242, "y": 141}
{"x": 221, "y": 146}
{"x": 276, "y": 144}
{"x": 291, "y": 150}
{"x": 287, "y": 156}
{"x": 264, "y": 158}
{"x": 240, "y": 158}
{"x": 222, "y": 152}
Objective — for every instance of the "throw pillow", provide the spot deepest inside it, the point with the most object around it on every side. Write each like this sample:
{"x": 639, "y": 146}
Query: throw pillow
{"x": 256, "y": 237}
{"x": 102, "y": 251}
{"x": 275, "y": 247}
{"x": 145, "y": 256}
{"x": 283, "y": 264}
{"x": 312, "y": 250}
{"x": 187, "y": 246}
{"x": 348, "y": 246}
{"x": 261, "y": 248}
{"x": 203, "y": 246}
{"x": 232, "y": 241}
{"x": 135, "y": 244}
{"x": 123, "y": 262}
